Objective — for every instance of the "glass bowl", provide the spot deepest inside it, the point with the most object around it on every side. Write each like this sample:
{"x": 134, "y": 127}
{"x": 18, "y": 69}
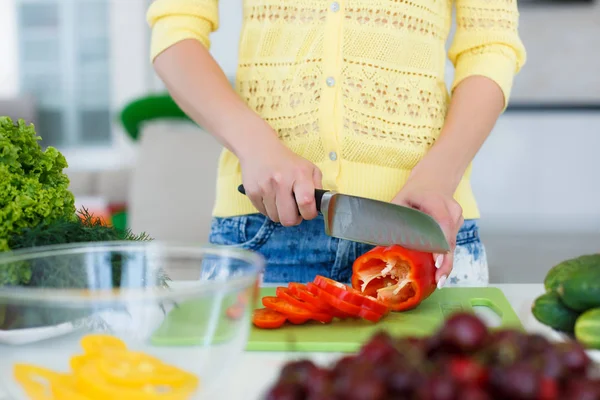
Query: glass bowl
{"x": 124, "y": 319}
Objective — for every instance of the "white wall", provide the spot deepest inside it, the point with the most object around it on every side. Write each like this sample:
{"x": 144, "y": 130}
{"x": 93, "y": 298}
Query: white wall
{"x": 540, "y": 172}
{"x": 9, "y": 73}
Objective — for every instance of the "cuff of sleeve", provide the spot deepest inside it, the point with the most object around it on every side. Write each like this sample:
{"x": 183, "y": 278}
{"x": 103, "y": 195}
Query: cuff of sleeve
{"x": 498, "y": 67}
{"x": 173, "y": 29}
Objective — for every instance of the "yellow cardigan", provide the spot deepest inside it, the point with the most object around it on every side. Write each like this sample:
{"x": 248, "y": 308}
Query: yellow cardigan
{"x": 355, "y": 86}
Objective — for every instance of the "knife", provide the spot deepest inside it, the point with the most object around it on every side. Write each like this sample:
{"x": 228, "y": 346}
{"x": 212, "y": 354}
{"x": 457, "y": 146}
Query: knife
{"x": 378, "y": 223}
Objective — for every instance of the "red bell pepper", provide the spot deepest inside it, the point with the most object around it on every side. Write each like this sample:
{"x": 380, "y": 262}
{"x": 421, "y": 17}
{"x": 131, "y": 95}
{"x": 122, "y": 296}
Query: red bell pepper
{"x": 399, "y": 278}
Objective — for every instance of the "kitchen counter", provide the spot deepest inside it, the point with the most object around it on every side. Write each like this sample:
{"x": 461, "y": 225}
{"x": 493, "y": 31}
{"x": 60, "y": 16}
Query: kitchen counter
{"x": 256, "y": 371}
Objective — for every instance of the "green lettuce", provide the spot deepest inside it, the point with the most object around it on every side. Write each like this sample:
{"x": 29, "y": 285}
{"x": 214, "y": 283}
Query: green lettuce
{"x": 33, "y": 188}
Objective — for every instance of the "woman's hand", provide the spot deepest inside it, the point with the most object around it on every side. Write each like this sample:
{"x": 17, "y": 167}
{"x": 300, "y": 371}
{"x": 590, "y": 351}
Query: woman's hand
{"x": 443, "y": 208}
{"x": 280, "y": 183}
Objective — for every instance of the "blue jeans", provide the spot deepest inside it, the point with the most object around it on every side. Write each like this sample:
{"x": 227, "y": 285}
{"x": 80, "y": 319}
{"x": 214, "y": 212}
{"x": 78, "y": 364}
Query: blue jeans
{"x": 301, "y": 252}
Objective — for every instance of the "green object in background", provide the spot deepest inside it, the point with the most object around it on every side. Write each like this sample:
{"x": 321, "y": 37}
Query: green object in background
{"x": 551, "y": 311}
{"x": 153, "y": 107}
{"x": 587, "y": 329}
{"x": 581, "y": 291}
{"x": 119, "y": 220}
{"x": 565, "y": 269}
{"x": 350, "y": 335}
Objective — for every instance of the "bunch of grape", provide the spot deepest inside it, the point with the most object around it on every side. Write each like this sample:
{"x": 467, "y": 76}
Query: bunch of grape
{"x": 462, "y": 361}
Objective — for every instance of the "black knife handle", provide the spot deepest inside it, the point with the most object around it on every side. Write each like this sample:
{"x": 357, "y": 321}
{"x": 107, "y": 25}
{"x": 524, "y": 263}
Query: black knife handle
{"x": 318, "y": 195}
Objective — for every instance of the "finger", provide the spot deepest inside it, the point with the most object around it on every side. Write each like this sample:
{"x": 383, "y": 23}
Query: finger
{"x": 255, "y": 197}
{"x": 268, "y": 199}
{"x": 304, "y": 192}
{"x": 444, "y": 270}
{"x": 286, "y": 206}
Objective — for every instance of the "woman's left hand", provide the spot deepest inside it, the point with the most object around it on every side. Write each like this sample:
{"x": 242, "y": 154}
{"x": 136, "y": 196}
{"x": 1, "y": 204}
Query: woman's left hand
{"x": 444, "y": 209}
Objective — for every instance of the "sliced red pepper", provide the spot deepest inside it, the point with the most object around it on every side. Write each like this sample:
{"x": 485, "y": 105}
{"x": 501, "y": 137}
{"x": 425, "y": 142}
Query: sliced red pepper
{"x": 297, "y": 320}
{"x": 291, "y": 310}
{"x": 235, "y": 311}
{"x": 350, "y": 295}
{"x": 285, "y": 294}
{"x": 266, "y": 318}
{"x": 399, "y": 278}
{"x": 343, "y": 306}
{"x": 300, "y": 291}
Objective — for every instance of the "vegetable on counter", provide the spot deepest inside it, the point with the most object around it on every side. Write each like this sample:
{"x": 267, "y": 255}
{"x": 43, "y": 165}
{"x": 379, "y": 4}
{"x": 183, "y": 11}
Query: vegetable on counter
{"x": 571, "y": 303}
{"x": 587, "y": 328}
{"x": 108, "y": 370}
{"x": 582, "y": 290}
{"x": 383, "y": 280}
{"x": 462, "y": 361}
{"x": 33, "y": 188}
{"x": 563, "y": 271}
{"x": 550, "y": 310}
{"x": 397, "y": 277}
{"x": 321, "y": 301}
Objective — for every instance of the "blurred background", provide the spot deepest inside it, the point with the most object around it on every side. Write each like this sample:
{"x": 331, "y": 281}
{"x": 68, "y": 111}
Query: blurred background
{"x": 80, "y": 70}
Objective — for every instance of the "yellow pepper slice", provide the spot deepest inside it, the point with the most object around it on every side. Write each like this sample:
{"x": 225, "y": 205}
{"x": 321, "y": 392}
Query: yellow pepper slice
{"x": 135, "y": 369}
{"x": 107, "y": 369}
{"x": 92, "y": 382}
{"x": 44, "y": 384}
{"x": 94, "y": 344}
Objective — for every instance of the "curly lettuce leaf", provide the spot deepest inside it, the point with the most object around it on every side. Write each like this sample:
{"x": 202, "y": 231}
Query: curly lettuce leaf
{"x": 33, "y": 188}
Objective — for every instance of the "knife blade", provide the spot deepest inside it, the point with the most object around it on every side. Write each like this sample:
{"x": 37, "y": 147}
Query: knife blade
{"x": 378, "y": 223}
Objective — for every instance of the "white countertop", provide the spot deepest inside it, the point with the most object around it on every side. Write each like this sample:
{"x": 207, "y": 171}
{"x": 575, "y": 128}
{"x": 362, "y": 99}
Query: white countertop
{"x": 257, "y": 371}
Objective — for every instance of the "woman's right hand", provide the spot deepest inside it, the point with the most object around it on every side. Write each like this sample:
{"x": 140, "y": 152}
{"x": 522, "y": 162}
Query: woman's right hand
{"x": 279, "y": 182}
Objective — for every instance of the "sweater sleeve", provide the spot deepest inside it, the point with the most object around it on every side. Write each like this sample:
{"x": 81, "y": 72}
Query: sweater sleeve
{"x": 487, "y": 42}
{"x": 175, "y": 20}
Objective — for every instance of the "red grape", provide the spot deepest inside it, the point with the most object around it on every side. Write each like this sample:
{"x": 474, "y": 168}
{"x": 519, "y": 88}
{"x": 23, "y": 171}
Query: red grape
{"x": 574, "y": 357}
{"x": 439, "y": 388}
{"x": 298, "y": 371}
{"x": 462, "y": 361}
{"x": 464, "y": 332}
{"x": 286, "y": 391}
{"x": 379, "y": 348}
{"x": 581, "y": 389}
{"x": 473, "y": 393}
{"x": 468, "y": 371}
{"x": 516, "y": 382}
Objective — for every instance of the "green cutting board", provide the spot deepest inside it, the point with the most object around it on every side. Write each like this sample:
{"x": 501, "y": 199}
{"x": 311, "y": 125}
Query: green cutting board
{"x": 350, "y": 335}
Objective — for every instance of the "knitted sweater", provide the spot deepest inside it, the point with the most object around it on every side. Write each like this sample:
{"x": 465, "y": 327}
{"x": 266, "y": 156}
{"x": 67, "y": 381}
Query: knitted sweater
{"x": 355, "y": 86}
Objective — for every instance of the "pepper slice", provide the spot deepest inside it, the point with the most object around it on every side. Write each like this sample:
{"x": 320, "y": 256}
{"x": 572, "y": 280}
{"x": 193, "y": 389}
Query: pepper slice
{"x": 266, "y": 318}
{"x": 285, "y": 294}
{"x": 399, "y": 278}
{"x": 135, "y": 369}
{"x": 341, "y": 305}
{"x": 291, "y": 310}
{"x": 108, "y": 369}
{"x": 98, "y": 343}
{"x": 350, "y": 295}
{"x": 235, "y": 311}
{"x": 301, "y": 291}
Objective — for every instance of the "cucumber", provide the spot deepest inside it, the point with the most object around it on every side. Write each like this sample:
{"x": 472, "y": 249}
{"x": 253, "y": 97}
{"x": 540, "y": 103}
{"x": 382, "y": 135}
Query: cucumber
{"x": 581, "y": 291}
{"x": 562, "y": 271}
{"x": 587, "y": 329}
{"x": 550, "y": 310}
